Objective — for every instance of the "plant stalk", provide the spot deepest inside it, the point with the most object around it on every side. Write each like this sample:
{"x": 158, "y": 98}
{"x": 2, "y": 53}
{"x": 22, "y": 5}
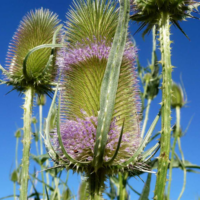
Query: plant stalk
{"x": 173, "y": 149}
{"x": 178, "y": 116}
{"x": 41, "y": 149}
{"x": 26, "y": 142}
{"x": 164, "y": 26}
{"x": 146, "y": 117}
{"x": 122, "y": 186}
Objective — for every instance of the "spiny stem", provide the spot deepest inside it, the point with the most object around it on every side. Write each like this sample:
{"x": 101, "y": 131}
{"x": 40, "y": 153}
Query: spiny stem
{"x": 41, "y": 149}
{"x": 122, "y": 186}
{"x": 146, "y": 117}
{"x": 96, "y": 184}
{"x": 164, "y": 27}
{"x": 26, "y": 142}
{"x": 173, "y": 149}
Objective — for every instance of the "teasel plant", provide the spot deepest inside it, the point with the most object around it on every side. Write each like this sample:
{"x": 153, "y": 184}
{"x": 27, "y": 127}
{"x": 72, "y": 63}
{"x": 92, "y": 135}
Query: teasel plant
{"x": 178, "y": 101}
{"x": 163, "y": 13}
{"x": 98, "y": 118}
{"x": 31, "y": 70}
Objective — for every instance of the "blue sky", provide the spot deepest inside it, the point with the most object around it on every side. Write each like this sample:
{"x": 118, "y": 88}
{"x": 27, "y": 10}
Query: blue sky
{"x": 185, "y": 58}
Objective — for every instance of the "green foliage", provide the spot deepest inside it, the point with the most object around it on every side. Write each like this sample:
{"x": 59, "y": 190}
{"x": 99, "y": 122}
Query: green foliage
{"x": 146, "y": 189}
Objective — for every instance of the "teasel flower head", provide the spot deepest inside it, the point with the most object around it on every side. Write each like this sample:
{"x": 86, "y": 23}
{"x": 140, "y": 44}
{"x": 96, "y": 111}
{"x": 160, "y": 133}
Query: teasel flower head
{"x": 29, "y": 64}
{"x": 178, "y": 99}
{"x": 90, "y": 30}
{"x": 148, "y": 13}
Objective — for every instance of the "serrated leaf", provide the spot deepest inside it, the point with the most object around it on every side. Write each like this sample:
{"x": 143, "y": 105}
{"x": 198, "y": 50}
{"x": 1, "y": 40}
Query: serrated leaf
{"x": 146, "y": 189}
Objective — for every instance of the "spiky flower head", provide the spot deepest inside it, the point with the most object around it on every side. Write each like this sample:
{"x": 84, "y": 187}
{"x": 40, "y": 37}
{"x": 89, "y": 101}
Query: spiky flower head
{"x": 177, "y": 99}
{"x": 36, "y": 69}
{"x": 148, "y": 12}
{"x": 83, "y": 64}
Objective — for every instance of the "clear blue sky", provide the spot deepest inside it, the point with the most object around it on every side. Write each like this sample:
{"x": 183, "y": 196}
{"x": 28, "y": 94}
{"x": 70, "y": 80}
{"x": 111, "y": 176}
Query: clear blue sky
{"x": 185, "y": 58}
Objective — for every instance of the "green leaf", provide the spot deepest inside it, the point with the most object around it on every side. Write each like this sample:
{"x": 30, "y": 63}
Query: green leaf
{"x": 40, "y": 159}
{"x": 83, "y": 190}
{"x": 144, "y": 142}
{"x": 146, "y": 189}
{"x": 151, "y": 151}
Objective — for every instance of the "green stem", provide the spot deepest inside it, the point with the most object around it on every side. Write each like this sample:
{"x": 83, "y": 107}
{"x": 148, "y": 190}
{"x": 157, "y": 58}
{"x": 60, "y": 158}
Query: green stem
{"x": 122, "y": 186}
{"x": 47, "y": 174}
{"x": 173, "y": 149}
{"x": 26, "y": 142}
{"x": 164, "y": 26}
{"x": 146, "y": 117}
{"x": 16, "y": 153}
{"x": 16, "y": 162}
{"x": 184, "y": 169}
{"x": 41, "y": 149}
{"x": 153, "y": 61}
{"x": 36, "y": 142}
{"x": 14, "y": 192}
{"x": 96, "y": 184}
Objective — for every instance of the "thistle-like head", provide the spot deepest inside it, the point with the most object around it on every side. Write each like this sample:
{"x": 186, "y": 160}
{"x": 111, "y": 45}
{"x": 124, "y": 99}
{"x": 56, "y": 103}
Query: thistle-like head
{"x": 83, "y": 66}
{"x": 177, "y": 99}
{"x": 28, "y": 64}
{"x": 149, "y": 12}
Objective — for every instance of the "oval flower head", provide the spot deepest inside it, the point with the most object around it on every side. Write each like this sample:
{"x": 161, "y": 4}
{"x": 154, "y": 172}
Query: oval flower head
{"x": 29, "y": 66}
{"x": 90, "y": 30}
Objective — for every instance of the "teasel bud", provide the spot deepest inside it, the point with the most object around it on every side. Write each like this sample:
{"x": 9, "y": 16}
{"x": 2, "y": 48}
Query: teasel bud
{"x": 177, "y": 99}
{"x": 90, "y": 31}
{"x": 34, "y": 120}
{"x": 41, "y": 100}
{"x": 18, "y": 133}
{"x": 28, "y": 64}
{"x": 177, "y": 133}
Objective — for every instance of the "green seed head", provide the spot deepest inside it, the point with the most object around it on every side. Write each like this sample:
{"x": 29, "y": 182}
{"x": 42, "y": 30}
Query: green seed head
{"x": 177, "y": 99}
{"x": 36, "y": 28}
{"x": 18, "y": 133}
{"x": 34, "y": 120}
{"x": 41, "y": 100}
